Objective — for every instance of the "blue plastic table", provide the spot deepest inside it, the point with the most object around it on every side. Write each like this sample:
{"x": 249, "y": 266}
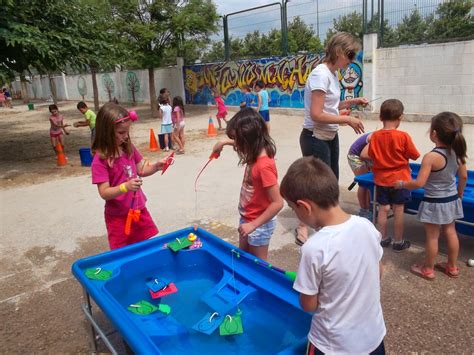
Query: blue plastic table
{"x": 218, "y": 277}
{"x": 464, "y": 226}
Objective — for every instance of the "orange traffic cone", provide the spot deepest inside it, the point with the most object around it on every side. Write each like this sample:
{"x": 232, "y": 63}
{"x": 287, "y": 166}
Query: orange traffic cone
{"x": 211, "y": 130}
{"x": 153, "y": 144}
{"x": 60, "y": 155}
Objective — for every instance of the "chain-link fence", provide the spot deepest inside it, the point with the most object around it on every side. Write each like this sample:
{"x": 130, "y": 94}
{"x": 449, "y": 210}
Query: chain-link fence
{"x": 413, "y": 22}
{"x": 302, "y": 26}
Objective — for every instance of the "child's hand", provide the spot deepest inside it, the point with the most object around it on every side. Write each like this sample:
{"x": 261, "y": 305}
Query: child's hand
{"x": 246, "y": 228}
{"x": 398, "y": 185}
{"x": 160, "y": 164}
{"x": 362, "y": 101}
{"x": 134, "y": 184}
{"x": 356, "y": 124}
{"x": 217, "y": 149}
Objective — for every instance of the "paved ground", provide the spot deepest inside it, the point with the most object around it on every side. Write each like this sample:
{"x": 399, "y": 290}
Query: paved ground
{"x": 52, "y": 216}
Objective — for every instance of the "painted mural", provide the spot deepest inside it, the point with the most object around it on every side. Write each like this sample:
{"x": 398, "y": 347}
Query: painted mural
{"x": 82, "y": 86}
{"x": 284, "y": 78}
{"x": 108, "y": 86}
{"x": 133, "y": 86}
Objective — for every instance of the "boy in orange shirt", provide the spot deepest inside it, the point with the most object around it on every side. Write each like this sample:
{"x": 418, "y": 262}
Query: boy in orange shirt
{"x": 390, "y": 150}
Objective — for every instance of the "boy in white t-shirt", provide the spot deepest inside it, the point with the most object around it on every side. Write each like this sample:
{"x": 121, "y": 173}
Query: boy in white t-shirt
{"x": 166, "y": 123}
{"x": 339, "y": 273}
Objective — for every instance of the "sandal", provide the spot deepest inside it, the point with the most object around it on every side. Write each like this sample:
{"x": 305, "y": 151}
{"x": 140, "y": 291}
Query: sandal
{"x": 423, "y": 272}
{"x": 298, "y": 241}
{"x": 448, "y": 270}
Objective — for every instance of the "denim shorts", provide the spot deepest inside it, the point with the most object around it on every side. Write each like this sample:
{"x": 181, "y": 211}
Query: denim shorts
{"x": 387, "y": 195}
{"x": 261, "y": 236}
{"x": 166, "y": 128}
{"x": 265, "y": 115}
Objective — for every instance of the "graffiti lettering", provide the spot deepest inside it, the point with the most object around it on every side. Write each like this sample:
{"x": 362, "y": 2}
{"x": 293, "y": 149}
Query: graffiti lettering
{"x": 284, "y": 78}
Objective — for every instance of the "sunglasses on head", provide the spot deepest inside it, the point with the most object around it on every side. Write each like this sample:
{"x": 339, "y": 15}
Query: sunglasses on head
{"x": 350, "y": 55}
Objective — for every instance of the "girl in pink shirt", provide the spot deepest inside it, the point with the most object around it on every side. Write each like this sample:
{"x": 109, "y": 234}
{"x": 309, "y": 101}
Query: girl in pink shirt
{"x": 221, "y": 109}
{"x": 177, "y": 117}
{"x": 117, "y": 169}
{"x": 57, "y": 127}
{"x": 260, "y": 199}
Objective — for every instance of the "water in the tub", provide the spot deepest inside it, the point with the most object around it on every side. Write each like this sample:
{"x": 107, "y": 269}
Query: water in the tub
{"x": 267, "y": 323}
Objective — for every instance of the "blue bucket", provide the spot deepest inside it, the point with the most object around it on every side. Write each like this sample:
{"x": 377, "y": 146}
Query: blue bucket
{"x": 86, "y": 156}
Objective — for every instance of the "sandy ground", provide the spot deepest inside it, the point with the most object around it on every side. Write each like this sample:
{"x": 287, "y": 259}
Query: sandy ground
{"x": 50, "y": 216}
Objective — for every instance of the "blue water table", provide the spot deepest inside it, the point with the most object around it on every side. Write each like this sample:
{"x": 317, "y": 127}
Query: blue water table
{"x": 190, "y": 292}
{"x": 464, "y": 226}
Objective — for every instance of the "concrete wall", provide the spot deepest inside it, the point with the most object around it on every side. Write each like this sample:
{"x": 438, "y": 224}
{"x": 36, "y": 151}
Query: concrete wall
{"x": 427, "y": 78}
{"x": 118, "y": 84}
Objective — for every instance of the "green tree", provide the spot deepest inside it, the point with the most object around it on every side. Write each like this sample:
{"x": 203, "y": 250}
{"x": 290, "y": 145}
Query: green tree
{"x": 351, "y": 23}
{"x": 454, "y": 20}
{"x": 301, "y": 37}
{"x": 413, "y": 28}
{"x": 49, "y": 36}
{"x": 152, "y": 27}
{"x": 237, "y": 49}
{"x": 255, "y": 45}
{"x": 215, "y": 53}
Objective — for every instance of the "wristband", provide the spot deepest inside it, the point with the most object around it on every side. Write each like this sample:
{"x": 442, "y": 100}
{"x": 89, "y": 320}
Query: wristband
{"x": 123, "y": 188}
{"x": 400, "y": 184}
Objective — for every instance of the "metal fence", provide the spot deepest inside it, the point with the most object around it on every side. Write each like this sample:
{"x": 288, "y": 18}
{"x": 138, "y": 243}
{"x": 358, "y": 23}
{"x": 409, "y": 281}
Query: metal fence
{"x": 390, "y": 18}
{"x": 418, "y": 21}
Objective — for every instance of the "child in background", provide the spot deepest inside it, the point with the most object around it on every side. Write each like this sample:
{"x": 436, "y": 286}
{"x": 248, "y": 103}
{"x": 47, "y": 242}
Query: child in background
{"x": 221, "y": 109}
{"x": 117, "y": 169}
{"x": 57, "y": 127}
{"x": 247, "y": 97}
{"x": 263, "y": 100}
{"x": 260, "y": 199}
{"x": 390, "y": 150}
{"x": 177, "y": 116}
{"x": 360, "y": 163}
{"x": 8, "y": 98}
{"x": 2, "y": 99}
{"x": 339, "y": 273}
{"x": 166, "y": 123}
{"x": 89, "y": 119}
{"x": 164, "y": 95}
{"x": 441, "y": 204}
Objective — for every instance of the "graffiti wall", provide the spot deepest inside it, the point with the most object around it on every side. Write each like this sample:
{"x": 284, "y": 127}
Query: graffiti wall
{"x": 284, "y": 78}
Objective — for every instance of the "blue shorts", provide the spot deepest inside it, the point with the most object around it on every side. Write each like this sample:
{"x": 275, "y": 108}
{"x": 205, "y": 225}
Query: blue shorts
{"x": 166, "y": 128}
{"x": 265, "y": 114}
{"x": 387, "y": 195}
{"x": 261, "y": 236}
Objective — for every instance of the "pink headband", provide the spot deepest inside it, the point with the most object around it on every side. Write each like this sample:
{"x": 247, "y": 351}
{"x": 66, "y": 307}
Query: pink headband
{"x": 132, "y": 116}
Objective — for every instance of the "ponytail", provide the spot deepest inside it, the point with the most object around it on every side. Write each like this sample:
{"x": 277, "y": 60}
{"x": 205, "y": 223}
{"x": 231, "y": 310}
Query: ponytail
{"x": 459, "y": 146}
{"x": 448, "y": 127}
